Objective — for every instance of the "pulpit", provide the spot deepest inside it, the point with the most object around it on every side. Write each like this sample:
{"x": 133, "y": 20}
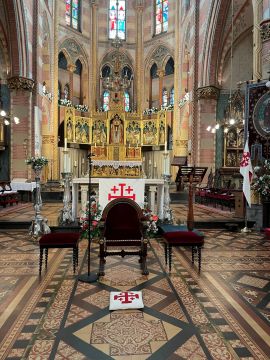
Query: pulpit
{"x": 193, "y": 176}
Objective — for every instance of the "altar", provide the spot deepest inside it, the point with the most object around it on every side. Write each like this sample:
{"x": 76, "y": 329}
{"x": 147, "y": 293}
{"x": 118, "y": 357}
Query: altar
{"x": 154, "y": 188}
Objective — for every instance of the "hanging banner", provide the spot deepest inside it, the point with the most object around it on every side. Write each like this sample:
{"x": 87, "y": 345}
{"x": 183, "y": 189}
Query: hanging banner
{"x": 110, "y": 189}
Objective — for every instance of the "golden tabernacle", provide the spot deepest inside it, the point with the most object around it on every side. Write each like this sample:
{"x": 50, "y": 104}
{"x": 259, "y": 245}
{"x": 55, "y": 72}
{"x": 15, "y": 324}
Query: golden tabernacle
{"x": 116, "y": 137}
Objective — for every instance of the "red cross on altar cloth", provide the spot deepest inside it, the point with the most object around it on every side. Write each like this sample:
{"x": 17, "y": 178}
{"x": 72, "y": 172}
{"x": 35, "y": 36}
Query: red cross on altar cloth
{"x": 110, "y": 189}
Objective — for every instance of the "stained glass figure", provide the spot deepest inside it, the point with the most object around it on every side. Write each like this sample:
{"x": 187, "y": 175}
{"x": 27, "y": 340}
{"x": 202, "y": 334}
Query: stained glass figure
{"x": 164, "y": 97}
{"x": 106, "y": 100}
{"x": 127, "y": 98}
{"x": 172, "y": 96}
{"x": 161, "y": 16}
{"x": 73, "y": 13}
{"x": 117, "y": 19}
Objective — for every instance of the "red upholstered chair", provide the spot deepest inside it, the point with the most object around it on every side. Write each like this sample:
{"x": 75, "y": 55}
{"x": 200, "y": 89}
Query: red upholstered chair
{"x": 122, "y": 225}
{"x": 267, "y": 233}
{"x": 183, "y": 237}
{"x": 59, "y": 240}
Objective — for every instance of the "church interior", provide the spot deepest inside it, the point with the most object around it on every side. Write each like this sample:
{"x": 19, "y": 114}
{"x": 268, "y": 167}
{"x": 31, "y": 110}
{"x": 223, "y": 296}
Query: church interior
{"x": 141, "y": 129}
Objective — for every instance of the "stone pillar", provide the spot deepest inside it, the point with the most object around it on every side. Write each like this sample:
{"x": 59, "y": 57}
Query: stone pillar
{"x": 207, "y": 102}
{"x": 139, "y": 55}
{"x": 161, "y": 74}
{"x": 21, "y": 106}
{"x": 257, "y": 43}
{"x": 93, "y": 67}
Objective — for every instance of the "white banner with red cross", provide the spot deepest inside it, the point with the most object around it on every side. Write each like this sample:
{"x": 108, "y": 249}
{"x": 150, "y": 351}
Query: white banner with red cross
{"x": 126, "y": 300}
{"x": 110, "y": 189}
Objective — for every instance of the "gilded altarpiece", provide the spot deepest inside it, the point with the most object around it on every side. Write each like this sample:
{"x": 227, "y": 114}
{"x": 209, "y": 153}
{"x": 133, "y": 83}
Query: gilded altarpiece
{"x": 116, "y": 139}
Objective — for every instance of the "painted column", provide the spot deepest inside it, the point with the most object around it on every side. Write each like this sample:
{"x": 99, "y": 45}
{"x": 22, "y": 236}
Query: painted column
{"x": 161, "y": 74}
{"x": 207, "y": 103}
{"x": 257, "y": 48}
{"x": 71, "y": 68}
{"x": 194, "y": 157}
{"x": 94, "y": 47}
{"x": 21, "y": 106}
{"x": 54, "y": 139}
{"x": 139, "y": 55}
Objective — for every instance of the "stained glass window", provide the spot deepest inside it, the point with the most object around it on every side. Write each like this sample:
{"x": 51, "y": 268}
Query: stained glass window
{"x": 106, "y": 100}
{"x": 73, "y": 13}
{"x": 172, "y": 96}
{"x": 161, "y": 16}
{"x": 164, "y": 97}
{"x": 127, "y": 107}
{"x": 117, "y": 19}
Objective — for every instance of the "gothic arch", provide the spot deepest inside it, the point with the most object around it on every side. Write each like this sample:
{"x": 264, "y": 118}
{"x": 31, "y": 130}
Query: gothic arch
{"x": 73, "y": 51}
{"x": 159, "y": 55}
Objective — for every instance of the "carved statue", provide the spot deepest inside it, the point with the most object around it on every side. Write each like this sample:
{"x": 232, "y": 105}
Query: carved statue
{"x": 116, "y": 131}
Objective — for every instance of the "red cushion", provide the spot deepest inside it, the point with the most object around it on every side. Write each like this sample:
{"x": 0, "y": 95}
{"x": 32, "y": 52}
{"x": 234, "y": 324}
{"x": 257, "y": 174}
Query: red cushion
{"x": 267, "y": 232}
{"x": 184, "y": 238}
{"x": 60, "y": 238}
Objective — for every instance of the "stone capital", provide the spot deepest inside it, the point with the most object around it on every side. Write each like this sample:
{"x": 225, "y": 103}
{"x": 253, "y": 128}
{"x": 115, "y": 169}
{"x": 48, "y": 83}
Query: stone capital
{"x": 20, "y": 83}
{"x": 208, "y": 92}
{"x": 160, "y": 73}
{"x": 265, "y": 30}
{"x": 71, "y": 67}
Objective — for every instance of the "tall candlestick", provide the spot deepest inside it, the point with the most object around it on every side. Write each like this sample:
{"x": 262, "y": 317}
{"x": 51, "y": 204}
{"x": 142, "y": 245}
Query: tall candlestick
{"x": 166, "y": 148}
{"x": 82, "y": 160}
{"x": 65, "y": 147}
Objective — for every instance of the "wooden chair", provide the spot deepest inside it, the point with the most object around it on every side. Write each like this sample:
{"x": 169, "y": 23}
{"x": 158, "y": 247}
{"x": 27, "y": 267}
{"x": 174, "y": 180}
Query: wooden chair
{"x": 122, "y": 225}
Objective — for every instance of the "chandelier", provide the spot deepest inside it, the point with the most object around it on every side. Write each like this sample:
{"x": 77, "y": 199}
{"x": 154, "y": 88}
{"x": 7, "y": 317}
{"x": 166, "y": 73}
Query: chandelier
{"x": 116, "y": 81}
{"x": 6, "y": 118}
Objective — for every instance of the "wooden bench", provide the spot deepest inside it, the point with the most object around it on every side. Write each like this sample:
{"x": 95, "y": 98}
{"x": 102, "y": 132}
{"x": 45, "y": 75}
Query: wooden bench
{"x": 7, "y": 195}
{"x": 174, "y": 235}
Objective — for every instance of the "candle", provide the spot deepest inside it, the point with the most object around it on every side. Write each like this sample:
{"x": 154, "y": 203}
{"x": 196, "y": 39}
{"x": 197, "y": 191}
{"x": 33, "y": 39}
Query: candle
{"x": 75, "y": 163}
{"x": 155, "y": 164}
{"x": 95, "y": 144}
{"x": 82, "y": 160}
{"x": 165, "y": 146}
{"x": 67, "y": 163}
{"x": 150, "y": 162}
{"x": 65, "y": 148}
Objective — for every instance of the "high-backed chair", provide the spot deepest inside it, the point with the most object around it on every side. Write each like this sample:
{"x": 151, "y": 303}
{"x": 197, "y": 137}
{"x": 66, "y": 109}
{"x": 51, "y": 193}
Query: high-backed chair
{"x": 122, "y": 225}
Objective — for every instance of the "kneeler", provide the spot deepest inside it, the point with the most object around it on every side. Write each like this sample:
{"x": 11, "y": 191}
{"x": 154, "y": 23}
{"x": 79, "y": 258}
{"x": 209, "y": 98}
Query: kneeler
{"x": 59, "y": 240}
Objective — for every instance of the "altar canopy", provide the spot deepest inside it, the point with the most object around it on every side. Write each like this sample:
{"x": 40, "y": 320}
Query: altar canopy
{"x": 110, "y": 189}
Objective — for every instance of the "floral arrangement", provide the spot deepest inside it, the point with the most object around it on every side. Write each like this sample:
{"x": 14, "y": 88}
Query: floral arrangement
{"x": 151, "y": 223}
{"x": 92, "y": 213}
{"x": 83, "y": 108}
{"x": 167, "y": 108}
{"x": 261, "y": 180}
{"x": 36, "y": 162}
{"x": 150, "y": 111}
{"x": 65, "y": 102}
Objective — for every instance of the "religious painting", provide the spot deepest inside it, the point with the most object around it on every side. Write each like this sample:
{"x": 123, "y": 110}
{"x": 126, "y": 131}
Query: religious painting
{"x": 150, "y": 133}
{"x": 162, "y": 128}
{"x": 82, "y": 130}
{"x": 261, "y": 115}
{"x": 69, "y": 126}
{"x": 231, "y": 138}
{"x": 133, "y": 133}
{"x": 133, "y": 152}
{"x": 231, "y": 159}
{"x": 100, "y": 152}
{"x": 99, "y": 132}
{"x": 116, "y": 130}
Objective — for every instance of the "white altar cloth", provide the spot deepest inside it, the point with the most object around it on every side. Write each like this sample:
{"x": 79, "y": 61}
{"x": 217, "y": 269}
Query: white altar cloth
{"x": 154, "y": 186}
{"x": 23, "y": 185}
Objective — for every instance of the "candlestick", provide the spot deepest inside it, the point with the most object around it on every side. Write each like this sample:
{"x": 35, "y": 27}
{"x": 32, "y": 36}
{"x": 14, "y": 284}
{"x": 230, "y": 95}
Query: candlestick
{"x": 65, "y": 147}
{"x": 150, "y": 162}
{"x": 155, "y": 164}
{"x": 82, "y": 160}
{"x": 166, "y": 148}
{"x": 75, "y": 163}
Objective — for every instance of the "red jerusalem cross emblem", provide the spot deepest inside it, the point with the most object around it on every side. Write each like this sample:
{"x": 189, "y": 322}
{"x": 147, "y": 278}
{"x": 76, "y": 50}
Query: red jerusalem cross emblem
{"x": 121, "y": 191}
{"x": 245, "y": 159}
{"x": 126, "y": 297}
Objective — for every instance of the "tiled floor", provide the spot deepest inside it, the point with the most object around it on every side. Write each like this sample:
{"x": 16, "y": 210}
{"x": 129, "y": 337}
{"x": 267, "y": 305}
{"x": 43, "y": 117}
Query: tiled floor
{"x": 223, "y": 313}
